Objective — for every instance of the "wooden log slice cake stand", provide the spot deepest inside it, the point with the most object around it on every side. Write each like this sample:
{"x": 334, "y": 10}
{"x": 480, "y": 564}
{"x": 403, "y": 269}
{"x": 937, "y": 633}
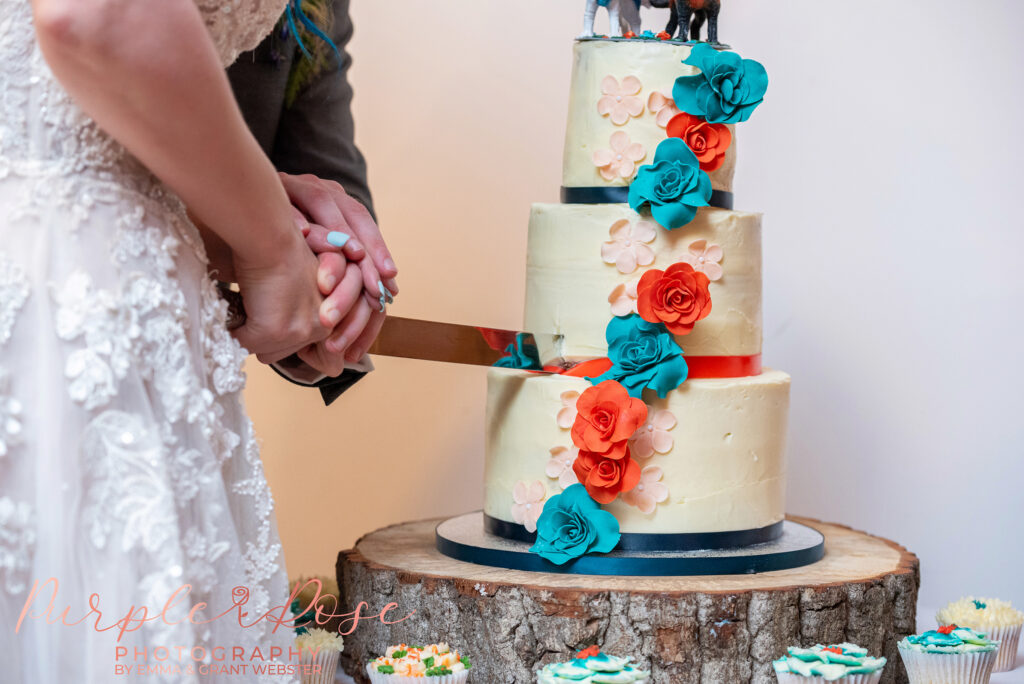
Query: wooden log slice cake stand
{"x": 720, "y": 629}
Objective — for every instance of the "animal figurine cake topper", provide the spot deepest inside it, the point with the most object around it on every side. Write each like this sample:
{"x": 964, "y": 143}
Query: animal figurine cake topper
{"x": 690, "y": 16}
{"x": 623, "y": 15}
{"x": 687, "y": 16}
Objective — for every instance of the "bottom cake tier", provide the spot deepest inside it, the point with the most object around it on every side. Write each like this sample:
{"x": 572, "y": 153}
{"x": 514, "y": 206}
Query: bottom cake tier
{"x": 713, "y": 453}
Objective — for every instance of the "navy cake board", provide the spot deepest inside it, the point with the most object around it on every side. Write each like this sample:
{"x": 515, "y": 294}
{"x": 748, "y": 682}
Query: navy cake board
{"x": 465, "y": 538}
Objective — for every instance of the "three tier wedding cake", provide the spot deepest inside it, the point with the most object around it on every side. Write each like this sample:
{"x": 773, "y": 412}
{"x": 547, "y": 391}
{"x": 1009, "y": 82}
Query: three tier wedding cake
{"x": 659, "y": 429}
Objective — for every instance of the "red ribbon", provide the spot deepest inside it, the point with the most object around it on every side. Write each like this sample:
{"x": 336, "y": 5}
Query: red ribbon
{"x": 723, "y": 366}
{"x": 700, "y": 367}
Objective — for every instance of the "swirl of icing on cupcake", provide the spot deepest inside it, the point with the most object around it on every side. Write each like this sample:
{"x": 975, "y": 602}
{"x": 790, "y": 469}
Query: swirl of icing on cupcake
{"x": 829, "y": 662}
{"x": 316, "y": 640}
{"x": 949, "y": 639}
{"x": 980, "y": 613}
{"x": 435, "y": 660}
{"x": 593, "y": 669}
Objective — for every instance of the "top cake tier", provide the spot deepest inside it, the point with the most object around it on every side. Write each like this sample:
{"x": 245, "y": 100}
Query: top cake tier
{"x": 625, "y": 87}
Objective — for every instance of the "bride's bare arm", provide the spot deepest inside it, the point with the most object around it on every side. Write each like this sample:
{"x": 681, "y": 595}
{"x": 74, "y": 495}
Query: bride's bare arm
{"x": 149, "y": 74}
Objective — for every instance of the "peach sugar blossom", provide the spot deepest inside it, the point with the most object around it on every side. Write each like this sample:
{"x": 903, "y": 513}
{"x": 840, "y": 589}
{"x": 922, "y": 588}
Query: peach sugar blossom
{"x": 663, "y": 107}
{"x": 527, "y": 504}
{"x": 560, "y": 466}
{"x": 623, "y": 298}
{"x": 649, "y": 492}
{"x": 620, "y": 101}
{"x": 704, "y": 258}
{"x": 628, "y": 248}
{"x": 653, "y": 436}
{"x": 567, "y": 414}
{"x": 620, "y": 161}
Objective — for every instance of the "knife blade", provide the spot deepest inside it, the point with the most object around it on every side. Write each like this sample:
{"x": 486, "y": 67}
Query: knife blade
{"x": 411, "y": 338}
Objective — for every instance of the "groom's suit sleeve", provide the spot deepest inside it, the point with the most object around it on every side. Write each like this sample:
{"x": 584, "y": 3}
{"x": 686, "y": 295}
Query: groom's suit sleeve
{"x": 315, "y": 134}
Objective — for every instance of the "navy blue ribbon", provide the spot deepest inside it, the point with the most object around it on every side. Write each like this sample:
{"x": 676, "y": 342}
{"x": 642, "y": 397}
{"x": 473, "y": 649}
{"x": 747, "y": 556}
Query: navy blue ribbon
{"x": 619, "y": 194}
{"x": 645, "y": 566}
{"x": 632, "y": 541}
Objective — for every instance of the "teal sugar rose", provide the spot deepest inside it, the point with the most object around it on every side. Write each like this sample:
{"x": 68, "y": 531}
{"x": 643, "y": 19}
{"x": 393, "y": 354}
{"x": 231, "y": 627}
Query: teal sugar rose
{"x": 674, "y": 185}
{"x": 727, "y": 90}
{"x": 520, "y": 355}
{"x": 571, "y": 525}
{"x": 643, "y": 355}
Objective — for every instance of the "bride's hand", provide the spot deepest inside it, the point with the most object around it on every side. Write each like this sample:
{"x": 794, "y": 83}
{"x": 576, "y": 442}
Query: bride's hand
{"x": 282, "y": 301}
{"x": 341, "y": 282}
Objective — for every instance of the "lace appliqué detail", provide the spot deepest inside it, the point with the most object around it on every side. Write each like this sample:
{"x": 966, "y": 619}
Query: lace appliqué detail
{"x": 10, "y": 415}
{"x": 239, "y": 25}
{"x": 142, "y": 327}
{"x": 126, "y": 485}
{"x": 108, "y": 331}
{"x": 17, "y": 543}
{"x": 224, "y": 356}
{"x": 17, "y": 519}
{"x": 14, "y": 291}
{"x": 261, "y": 557}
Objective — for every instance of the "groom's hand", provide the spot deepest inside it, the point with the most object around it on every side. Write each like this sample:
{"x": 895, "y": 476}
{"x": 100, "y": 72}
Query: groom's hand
{"x": 342, "y": 233}
{"x": 337, "y": 217}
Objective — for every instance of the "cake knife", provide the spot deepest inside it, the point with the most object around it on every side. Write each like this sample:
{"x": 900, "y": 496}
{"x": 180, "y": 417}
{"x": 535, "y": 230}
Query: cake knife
{"x": 411, "y": 338}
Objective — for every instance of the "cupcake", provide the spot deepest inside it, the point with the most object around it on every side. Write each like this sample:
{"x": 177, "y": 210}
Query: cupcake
{"x": 433, "y": 664}
{"x": 590, "y": 666}
{"x": 950, "y": 654}
{"x": 320, "y": 650}
{"x": 997, "y": 619}
{"x": 847, "y": 663}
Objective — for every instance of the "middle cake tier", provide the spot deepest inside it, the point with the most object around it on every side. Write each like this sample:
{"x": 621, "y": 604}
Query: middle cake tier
{"x": 584, "y": 261}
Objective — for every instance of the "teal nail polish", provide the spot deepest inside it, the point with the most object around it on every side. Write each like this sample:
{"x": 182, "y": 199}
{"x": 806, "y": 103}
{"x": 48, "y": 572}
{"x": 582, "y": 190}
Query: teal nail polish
{"x": 385, "y": 293}
{"x": 383, "y": 304}
{"x": 337, "y": 238}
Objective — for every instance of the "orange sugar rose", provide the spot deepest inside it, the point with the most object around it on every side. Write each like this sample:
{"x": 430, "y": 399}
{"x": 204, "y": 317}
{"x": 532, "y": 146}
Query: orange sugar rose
{"x": 677, "y": 297}
{"x": 606, "y": 416}
{"x": 605, "y": 478}
{"x": 707, "y": 140}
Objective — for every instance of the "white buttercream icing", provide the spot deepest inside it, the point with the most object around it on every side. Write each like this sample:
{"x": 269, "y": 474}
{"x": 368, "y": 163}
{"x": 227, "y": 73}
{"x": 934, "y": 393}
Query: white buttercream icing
{"x": 980, "y": 613}
{"x": 726, "y": 469}
{"x": 568, "y": 284}
{"x": 656, "y": 65}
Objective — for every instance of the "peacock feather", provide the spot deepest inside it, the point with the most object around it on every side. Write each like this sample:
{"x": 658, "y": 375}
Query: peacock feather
{"x": 310, "y": 21}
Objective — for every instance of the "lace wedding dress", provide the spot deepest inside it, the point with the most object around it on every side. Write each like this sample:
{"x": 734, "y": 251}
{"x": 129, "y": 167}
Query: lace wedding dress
{"x": 128, "y": 467}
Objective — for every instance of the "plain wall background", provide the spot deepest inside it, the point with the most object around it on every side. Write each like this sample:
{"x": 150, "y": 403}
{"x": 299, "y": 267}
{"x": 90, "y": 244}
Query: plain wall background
{"x": 887, "y": 161}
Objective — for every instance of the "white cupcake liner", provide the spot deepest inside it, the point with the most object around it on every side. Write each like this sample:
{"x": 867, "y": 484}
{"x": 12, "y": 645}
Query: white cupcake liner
{"x": 790, "y": 678}
{"x": 323, "y": 666}
{"x": 1008, "y": 638}
{"x": 948, "y": 668}
{"x": 378, "y": 678}
{"x": 645, "y": 680}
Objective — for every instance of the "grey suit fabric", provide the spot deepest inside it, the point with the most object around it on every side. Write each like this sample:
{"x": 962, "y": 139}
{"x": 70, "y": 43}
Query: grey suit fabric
{"x": 316, "y": 134}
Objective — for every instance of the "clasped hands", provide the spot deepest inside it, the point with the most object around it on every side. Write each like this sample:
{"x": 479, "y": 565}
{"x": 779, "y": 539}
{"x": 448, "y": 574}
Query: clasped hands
{"x": 324, "y": 296}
